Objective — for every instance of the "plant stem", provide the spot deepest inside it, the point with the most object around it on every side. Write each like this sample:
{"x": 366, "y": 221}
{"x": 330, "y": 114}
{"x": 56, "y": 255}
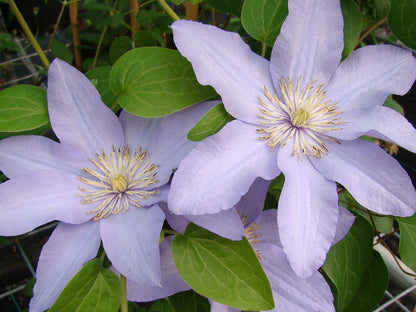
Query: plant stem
{"x": 123, "y": 289}
{"x": 64, "y": 3}
{"x": 369, "y": 30}
{"x": 263, "y": 49}
{"x": 28, "y": 33}
{"x": 100, "y": 42}
{"x": 168, "y": 10}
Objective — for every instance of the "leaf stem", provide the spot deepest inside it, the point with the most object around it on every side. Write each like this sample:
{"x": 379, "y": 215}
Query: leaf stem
{"x": 28, "y": 33}
{"x": 123, "y": 290}
{"x": 263, "y": 49}
{"x": 168, "y": 10}
{"x": 171, "y": 232}
{"x": 369, "y": 30}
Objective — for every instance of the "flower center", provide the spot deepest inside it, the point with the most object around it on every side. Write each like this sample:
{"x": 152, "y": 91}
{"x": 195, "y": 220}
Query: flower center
{"x": 119, "y": 183}
{"x": 118, "y": 180}
{"x": 303, "y": 115}
{"x": 252, "y": 237}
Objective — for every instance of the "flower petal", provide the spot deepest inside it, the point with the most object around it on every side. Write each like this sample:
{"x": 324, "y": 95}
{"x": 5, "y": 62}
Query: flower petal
{"x": 369, "y": 75}
{"x": 164, "y": 138}
{"x": 223, "y": 60}
{"x": 310, "y": 42}
{"x": 219, "y": 307}
{"x": 33, "y": 199}
{"x": 307, "y": 214}
{"x": 374, "y": 178}
{"x": 66, "y": 251}
{"x": 345, "y": 221}
{"x": 176, "y": 222}
{"x": 220, "y": 169}
{"x": 251, "y": 204}
{"x": 77, "y": 114}
{"x": 171, "y": 281}
{"x": 27, "y": 153}
{"x": 131, "y": 242}
{"x": 380, "y": 122}
{"x": 225, "y": 223}
{"x": 268, "y": 230}
{"x": 292, "y": 293}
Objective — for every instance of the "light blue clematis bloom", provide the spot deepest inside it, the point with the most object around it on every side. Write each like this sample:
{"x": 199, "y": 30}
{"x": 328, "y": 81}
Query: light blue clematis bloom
{"x": 102, "y": 181}
{"x": 301, "y": 114}
{"x": 291, "y": 293}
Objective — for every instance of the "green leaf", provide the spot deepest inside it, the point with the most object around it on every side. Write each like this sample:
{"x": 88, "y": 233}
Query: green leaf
{"x": 96, "y": 6}
{"x": 402, "y": 21}
{"x": 393, "y": 105}
{"x": 28, "y": 290}
{"x": 372, "y": 286}
{"x": 210, "y": 123}
{"x": 119, "y": 46}
{"x": 23, "y": 108}
{"x": 262, "y": 19}
{"x": 177, "y": 2}
{"x": 7, "y": 43}
{"x": 383, "y": 223}
{"x": 93, "y": 288}
{"x": 38, "y": 131}
{"x": 161, "y": 305}
{"x": 153, "y": 82}
{"x": 113, "y": 21}
{"x": 189, "y": 301}
{"x": 382, "y": 8}
{"x": 224, "y": 270}
{"x": 146, "y": 18}
{"x": 352, "y": 25}
{"x": 407, "y": 244}
{"x": 4, "y": 241}
{"x": 61, "y": 51}
{"x": 144, "y": 38}
{"x": 227, "y": 6}
{"x": 100, "y": 78}
{"x": 346, "y": 262}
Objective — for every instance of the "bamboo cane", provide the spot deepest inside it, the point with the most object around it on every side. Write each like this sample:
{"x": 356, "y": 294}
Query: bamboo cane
{"x": 73, "y": 16}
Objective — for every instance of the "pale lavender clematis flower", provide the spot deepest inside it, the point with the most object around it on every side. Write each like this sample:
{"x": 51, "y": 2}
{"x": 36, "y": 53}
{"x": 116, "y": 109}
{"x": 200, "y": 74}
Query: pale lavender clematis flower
{"x": 103, "y": 181}
{"x": 291, "y": 293}
{"x": 301, "y": 114}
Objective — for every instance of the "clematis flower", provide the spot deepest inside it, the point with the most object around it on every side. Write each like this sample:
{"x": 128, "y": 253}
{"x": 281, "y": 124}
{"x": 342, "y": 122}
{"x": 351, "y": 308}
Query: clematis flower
{"x": 102, "y": 181}
{"x": 291, "y": 293}
{"x": 301, "y": 114}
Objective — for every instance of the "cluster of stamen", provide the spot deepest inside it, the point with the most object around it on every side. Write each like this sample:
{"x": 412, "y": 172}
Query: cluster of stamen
{"x": 302, "y": 114}
{"x": 252, "y": 237}
{"x": 118, "y": 180}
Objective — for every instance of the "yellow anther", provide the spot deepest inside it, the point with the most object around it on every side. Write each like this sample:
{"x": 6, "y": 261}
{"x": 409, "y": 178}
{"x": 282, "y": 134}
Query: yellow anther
{"x": 119, "y": 183}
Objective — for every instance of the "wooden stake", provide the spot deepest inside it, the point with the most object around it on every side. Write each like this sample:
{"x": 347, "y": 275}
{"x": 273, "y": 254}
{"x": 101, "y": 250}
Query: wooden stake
{"x": 73, "y": 16}
{"x": 191, "y": 11}
{"x": 134, "y": 9}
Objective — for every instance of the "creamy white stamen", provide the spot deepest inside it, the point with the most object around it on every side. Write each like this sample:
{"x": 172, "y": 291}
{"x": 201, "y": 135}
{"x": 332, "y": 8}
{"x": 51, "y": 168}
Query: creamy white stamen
{"x": 118, "y": 180}
{"x": 252, "y": 237}
{"x": 303, "y": 115}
